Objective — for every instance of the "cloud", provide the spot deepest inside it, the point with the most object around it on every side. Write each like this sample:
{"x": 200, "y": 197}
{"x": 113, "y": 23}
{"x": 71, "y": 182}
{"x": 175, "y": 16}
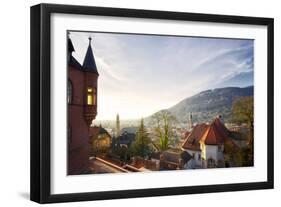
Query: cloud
{"x": 140, "y": 74}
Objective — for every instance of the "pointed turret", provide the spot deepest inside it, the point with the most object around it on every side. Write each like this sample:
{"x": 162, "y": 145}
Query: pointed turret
{"x": 91, "y": 85}
{"x": 70, "y": 48}
{"x": 89, "y": 63}
{"x": 70, "y": 45}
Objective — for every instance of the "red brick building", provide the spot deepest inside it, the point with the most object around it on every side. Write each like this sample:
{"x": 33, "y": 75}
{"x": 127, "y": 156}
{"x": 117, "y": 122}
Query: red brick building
{"x": 82, "y": 108}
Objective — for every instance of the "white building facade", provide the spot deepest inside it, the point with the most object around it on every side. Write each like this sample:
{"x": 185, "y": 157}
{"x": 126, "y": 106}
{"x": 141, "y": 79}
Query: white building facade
{"x": 206, "y": 145}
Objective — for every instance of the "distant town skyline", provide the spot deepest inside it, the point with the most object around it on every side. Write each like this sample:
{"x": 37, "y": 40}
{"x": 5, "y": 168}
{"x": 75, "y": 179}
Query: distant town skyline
{"x": 142, "y": 74}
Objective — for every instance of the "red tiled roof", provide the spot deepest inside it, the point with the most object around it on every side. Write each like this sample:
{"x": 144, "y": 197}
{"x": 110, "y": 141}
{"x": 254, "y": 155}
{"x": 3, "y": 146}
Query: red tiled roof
{"x": 221, "y": 127}
{"x": 186, "y": 134}
{"x": 216, "y": 134}
{"x": 192, "y": 140}
{"x": 212, "y": 136}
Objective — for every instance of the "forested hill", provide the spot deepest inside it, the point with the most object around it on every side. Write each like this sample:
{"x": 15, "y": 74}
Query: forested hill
{"x": 205, "y": 105}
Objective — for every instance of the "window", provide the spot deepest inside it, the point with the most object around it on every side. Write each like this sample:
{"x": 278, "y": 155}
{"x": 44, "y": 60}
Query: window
{"x": 199, "y": 157}
{"x": 211, "y": 162}
{"x": 69, "y": 92}
{"x": 91, "y": 96}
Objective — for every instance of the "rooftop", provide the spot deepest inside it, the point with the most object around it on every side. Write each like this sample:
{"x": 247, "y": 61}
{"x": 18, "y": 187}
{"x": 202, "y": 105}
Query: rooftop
{"x": 214, "y": 134}
{"x": 192, "y": 140}
{"x": 89, "y": 63}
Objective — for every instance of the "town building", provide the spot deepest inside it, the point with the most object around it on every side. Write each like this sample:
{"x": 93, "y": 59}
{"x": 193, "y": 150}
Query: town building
{"x": 192, "y": 145}
{"x": 173, "y": 159}
{"x": 124, "y": 140}
{"x": 207, "y": 143}
{"x": 100, "y": 140}
{"x": 82, "y": 87}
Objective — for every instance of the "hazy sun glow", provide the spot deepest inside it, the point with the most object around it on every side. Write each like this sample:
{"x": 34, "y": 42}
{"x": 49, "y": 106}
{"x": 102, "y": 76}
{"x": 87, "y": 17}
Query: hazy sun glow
{"x": 142, "y": 74}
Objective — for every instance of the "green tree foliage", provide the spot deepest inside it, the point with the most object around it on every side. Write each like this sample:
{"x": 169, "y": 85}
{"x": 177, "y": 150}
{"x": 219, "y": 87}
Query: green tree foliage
{"x": 141, "y": 146}
{"x": 163, "y": 130}
{"x": 243, "y": 112}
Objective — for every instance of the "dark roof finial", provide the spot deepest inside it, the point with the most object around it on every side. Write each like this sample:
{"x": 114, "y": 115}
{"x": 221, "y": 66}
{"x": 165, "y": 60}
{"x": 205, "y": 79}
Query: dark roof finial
{"x": 90, "y": 39}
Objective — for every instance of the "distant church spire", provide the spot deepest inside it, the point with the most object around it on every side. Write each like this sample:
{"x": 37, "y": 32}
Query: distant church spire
{"x": 190, "y": 121}
{"x": 89, "y": 63}
{"x": 118, "y": 132}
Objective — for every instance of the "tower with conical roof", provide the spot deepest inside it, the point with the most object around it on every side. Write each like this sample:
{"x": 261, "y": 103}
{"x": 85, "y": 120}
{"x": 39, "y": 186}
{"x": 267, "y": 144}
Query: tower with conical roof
{"x": 82, "y": 87}
{"x": 91, "y": 85}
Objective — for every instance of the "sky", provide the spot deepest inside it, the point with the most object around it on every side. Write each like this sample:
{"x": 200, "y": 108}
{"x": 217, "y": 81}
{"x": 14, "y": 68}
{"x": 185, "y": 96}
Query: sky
{"x": 142, "y": 74}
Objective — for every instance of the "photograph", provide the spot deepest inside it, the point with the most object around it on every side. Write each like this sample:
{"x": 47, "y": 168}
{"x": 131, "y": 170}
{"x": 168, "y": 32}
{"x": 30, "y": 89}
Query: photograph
{"x": 134, "y": 102}
{"x": 150, "y": 102}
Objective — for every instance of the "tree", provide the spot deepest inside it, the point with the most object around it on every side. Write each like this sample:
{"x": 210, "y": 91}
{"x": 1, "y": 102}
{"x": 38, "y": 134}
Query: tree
{"x": 163, "y": 130}
{"x": 243, "y": 111}
{"x": 141, "y": 144}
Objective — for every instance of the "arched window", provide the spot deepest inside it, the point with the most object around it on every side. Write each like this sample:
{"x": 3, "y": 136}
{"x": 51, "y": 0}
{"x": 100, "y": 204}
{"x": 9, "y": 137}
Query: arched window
{"x": 91, "y": 96}
{"x": 69, "y": 92}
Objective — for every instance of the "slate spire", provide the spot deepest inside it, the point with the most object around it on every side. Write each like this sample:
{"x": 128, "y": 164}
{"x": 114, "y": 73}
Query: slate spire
{"x": 70, "y": 45}
{"x": 89, "y": 63}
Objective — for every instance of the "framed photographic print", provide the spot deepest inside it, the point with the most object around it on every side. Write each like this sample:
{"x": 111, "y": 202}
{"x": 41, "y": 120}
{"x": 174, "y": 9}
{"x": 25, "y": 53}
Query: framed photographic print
{"x": 122, "y": 100}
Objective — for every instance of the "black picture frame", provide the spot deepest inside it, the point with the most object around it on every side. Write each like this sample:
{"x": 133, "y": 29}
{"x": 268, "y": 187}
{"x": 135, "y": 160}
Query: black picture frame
{"x": 41, "y": 96}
